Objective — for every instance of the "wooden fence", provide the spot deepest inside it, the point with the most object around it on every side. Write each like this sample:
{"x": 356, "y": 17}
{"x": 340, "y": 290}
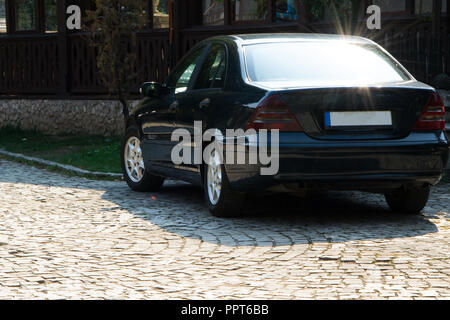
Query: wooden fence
{"x": 39, "y": 65}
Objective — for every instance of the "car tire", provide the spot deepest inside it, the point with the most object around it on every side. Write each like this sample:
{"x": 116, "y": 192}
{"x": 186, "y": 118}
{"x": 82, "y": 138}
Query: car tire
{"x": 134, "y": 172}
{"x": 221, "y": 200}
{"x": 410, "y": 200}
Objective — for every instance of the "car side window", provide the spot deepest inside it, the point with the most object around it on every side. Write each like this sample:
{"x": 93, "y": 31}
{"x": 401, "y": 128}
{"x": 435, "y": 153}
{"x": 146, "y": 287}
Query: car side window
{"x": 179, "y": 80}
{"x": 212, "y": 73}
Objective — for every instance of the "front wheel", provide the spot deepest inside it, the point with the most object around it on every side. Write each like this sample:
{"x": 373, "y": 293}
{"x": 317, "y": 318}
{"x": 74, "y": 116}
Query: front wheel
{"x": 221, "y": 200}
{"x": 409, "y": 200}
{"x": 134, "y": 173}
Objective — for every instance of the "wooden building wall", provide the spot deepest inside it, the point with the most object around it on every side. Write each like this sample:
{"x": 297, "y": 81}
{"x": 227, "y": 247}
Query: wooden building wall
{"x": 59, "y": 64}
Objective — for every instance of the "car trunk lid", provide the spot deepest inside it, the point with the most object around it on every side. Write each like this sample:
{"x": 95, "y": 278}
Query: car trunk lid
{"x": 357, "y": 113}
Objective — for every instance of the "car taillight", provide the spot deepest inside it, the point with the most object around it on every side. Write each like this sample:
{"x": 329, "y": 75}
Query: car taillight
{"x": 433, "y": 117}
{"x": 273, "y": 113}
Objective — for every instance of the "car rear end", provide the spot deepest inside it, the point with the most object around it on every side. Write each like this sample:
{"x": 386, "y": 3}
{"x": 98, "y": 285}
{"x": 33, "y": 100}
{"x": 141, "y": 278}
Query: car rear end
{"x": 342, "y": 123}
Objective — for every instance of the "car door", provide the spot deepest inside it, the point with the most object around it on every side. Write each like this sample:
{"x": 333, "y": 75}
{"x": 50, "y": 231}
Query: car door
{"x": 157, "y": 122}
{"x": 197, "y": 103}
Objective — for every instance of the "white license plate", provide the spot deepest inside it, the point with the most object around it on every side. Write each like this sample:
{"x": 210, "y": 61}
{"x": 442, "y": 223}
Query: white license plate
{"x": 358, "y": 119}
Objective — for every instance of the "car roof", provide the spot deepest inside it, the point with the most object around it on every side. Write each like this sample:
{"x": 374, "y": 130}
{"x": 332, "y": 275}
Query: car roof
{"x": 247, "y": 39}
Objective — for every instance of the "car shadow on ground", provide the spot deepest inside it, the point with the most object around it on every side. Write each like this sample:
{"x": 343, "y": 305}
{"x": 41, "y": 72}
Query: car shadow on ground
{"x": 279, "y": 219}
{"x": 275, "y": 220}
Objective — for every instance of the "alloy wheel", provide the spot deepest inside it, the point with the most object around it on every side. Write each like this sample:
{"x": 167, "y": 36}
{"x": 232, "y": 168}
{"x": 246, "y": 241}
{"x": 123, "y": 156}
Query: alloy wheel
{"x": 214, "y": 178}
{"x": 134, "y": 162}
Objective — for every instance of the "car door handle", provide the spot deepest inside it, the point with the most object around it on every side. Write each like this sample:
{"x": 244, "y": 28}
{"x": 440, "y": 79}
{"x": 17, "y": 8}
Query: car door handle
{"x": 205, "y": 103}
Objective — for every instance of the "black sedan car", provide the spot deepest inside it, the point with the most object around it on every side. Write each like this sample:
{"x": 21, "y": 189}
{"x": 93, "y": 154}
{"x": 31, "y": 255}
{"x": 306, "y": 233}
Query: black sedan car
{"x": 345, "y": 113}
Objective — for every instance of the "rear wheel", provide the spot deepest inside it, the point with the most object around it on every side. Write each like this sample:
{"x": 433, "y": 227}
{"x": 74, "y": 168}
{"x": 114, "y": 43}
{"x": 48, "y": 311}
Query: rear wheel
{"x": 133, "y": 168}
{"x": 409, "y": 200}
{"x": 221, "y": 200}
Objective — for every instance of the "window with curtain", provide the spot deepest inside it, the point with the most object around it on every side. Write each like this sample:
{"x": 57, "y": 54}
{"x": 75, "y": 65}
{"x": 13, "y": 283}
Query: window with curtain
{"x": 338, "y": 12}
{"x": 160, "y": 14}
{"x": 213, "y": 12}
{"x": 51, "y": 18}
{"x": 2, "y": 16}
{"x": 25, "y": 15}
{"x": 286, "y": 10}
{"x": 426, "y": 6}
{"x": 248, "y": 10}
{"x": 391, "y": 5}
{"x": 334, "y": 12}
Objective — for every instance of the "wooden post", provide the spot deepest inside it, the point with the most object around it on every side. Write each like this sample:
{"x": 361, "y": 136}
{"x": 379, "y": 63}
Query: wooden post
{"x": 9, "y": 16}
{"x": 448, "y": 38}
{"x": 302, "y": 10}
{"x": 437, "y": 9}
{"x": 410, "y": 7}
{"x": 150, "y": 13}
{"x": 171, "y": 38}
{"x": 62, "y": 48}
{"x": 436, "y": 54}
{"x": 227, "y": 12}
{"x": 40, "y": 13}
{"x": 176, "y": 10}
{"x": 271, "y": 11}
{"x": 358, "y": 11}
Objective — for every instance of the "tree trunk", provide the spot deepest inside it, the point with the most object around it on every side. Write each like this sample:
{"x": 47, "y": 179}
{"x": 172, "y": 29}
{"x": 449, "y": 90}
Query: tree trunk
{"x": 125, "y": 109}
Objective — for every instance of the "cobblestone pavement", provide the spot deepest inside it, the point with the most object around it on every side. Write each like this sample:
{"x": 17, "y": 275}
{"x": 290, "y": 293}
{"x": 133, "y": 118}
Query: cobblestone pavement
{"x": 65, "y": 237}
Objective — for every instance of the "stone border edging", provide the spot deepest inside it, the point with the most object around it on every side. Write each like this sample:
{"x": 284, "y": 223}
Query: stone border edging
{"x": 66, "y": 167}
{"x": 79, "y": 171}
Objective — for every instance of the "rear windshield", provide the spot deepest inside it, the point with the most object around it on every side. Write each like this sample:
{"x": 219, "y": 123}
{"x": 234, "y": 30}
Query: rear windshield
{"x": 319, "y": 63}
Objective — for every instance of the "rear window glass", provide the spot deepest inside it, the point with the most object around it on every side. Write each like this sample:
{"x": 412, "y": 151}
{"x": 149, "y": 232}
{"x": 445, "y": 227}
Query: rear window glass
{"x": 314, "y": 63}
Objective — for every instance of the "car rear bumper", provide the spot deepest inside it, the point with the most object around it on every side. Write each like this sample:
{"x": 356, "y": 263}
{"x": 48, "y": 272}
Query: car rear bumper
{"x": 356, "y": 165}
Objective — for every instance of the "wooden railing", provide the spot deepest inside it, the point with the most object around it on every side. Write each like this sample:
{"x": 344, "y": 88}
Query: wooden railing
{"x": 152, "y": 61}
{"x": 153, "y": 56}
{"x": 32, "y": 65}
{"x": 29, "y": 65}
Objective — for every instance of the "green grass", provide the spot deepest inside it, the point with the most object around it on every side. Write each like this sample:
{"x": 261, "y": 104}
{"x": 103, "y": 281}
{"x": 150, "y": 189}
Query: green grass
{"x": 93, "y": 153}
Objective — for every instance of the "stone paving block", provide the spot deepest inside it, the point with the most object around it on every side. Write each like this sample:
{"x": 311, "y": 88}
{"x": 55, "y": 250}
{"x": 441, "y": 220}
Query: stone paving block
{"x": 72, "y": 238}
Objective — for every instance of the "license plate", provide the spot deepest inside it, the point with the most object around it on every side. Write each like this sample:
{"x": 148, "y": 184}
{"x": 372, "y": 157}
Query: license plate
{"x": 358, "y": 119}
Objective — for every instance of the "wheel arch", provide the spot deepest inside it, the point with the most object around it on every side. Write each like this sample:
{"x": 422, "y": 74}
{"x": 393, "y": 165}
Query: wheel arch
{"x": 133, "y": 122}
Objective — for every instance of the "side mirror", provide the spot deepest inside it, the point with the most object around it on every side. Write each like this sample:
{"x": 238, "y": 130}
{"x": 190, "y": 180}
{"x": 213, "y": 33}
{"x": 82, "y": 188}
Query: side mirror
{"x": 151, "y": 89}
